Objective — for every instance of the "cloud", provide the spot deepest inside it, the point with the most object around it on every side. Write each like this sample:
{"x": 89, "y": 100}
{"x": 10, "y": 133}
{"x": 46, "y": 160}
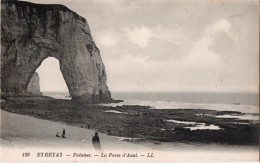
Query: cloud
{"x": 108, "y": 38}
{"x": 174, "y": 35}
{"x": 162, "y": 43}
{"x": 220, "y": 25}
{"x": 139, "y": 35}
{"x": 201, "y": 54}
{"x": 142, "y": 35}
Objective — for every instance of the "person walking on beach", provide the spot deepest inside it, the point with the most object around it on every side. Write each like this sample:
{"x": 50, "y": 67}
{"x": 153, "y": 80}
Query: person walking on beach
{"x": 63, "y": 134}
{"x": 96, "y": 142}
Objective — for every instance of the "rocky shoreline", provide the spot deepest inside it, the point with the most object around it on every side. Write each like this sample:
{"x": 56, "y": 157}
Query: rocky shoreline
{"x": 139, "y": 123}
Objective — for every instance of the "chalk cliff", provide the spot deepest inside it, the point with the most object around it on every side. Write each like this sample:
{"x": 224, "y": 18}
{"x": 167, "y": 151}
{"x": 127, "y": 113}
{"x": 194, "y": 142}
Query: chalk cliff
{"x": 32, "y": 32}
{"x": 34, "y": 85}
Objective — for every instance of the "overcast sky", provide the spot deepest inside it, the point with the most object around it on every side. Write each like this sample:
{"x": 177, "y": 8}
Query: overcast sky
{"x": 166, "y": 45}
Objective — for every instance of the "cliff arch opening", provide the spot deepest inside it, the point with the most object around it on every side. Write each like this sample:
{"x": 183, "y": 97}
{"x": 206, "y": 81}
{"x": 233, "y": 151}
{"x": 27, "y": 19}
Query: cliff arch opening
{"x": 52, "y": 82}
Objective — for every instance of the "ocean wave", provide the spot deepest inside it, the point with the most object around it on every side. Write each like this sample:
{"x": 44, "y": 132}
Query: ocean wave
{"x": 59, "y": 96}
{"x": 181, "y": 105}
{"x": 177, "y": 105}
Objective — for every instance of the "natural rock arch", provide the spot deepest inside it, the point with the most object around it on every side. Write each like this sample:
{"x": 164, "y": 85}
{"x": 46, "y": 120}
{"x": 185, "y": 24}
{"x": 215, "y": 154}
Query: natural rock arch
{"x": 32, "y": 32}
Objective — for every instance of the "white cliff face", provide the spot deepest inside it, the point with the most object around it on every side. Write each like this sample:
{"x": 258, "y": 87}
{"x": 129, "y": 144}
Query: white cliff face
{"x": 34, "y": 85}
{"x": 33, "y": 32}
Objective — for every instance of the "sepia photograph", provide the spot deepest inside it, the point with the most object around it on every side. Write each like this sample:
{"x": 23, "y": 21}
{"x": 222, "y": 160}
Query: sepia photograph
{"x": 129, "y": 81}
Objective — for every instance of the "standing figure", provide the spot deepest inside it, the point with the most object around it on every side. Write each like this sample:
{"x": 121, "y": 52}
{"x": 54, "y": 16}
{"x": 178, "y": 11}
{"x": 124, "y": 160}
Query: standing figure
{"x": 96, "y": 142}
{"x": 63, "y": 134}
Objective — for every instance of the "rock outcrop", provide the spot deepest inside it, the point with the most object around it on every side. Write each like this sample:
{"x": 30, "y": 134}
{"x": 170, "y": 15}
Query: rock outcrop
{"x": 32, "y": 32}
{"x": 34, "y": 85}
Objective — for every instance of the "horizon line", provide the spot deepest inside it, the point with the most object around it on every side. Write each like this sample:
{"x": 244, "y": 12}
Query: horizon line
{"x": 170, "y": 91}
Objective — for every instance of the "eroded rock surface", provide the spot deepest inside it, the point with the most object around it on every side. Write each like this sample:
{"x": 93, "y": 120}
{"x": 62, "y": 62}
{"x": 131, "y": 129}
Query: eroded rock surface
{"x": 34, "y": 85}
{"x": 32, "y": 32}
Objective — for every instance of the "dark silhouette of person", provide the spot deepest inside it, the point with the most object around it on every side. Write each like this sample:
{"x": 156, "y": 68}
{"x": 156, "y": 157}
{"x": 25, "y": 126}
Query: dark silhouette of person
{"x": 96, "y": 142}
{"x": 63, "y": 134}
{"x": 58, "y": 134}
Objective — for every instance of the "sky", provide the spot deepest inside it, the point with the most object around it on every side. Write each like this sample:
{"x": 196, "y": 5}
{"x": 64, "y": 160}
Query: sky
{"x": 166, "y": 45}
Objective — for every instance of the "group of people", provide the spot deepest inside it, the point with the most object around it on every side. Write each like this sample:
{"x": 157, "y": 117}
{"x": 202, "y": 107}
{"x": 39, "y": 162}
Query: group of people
{"x": 63, "y": 134}
{"x": 95, "y": 139}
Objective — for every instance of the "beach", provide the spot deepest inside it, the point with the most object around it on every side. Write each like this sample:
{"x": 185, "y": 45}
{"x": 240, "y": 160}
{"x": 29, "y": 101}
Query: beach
{"x": 143, "y": 123}
{"x": 21, "y": 133}
{"x": 30, "y": 124}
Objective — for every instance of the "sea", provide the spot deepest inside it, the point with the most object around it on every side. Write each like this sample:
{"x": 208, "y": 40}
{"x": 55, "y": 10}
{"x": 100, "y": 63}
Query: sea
{"x": 241, "y": 102}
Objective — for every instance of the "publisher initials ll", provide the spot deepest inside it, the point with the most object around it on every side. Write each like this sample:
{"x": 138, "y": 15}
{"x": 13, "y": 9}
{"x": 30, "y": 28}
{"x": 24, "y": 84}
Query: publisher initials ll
{"x": 150, "y": 155}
